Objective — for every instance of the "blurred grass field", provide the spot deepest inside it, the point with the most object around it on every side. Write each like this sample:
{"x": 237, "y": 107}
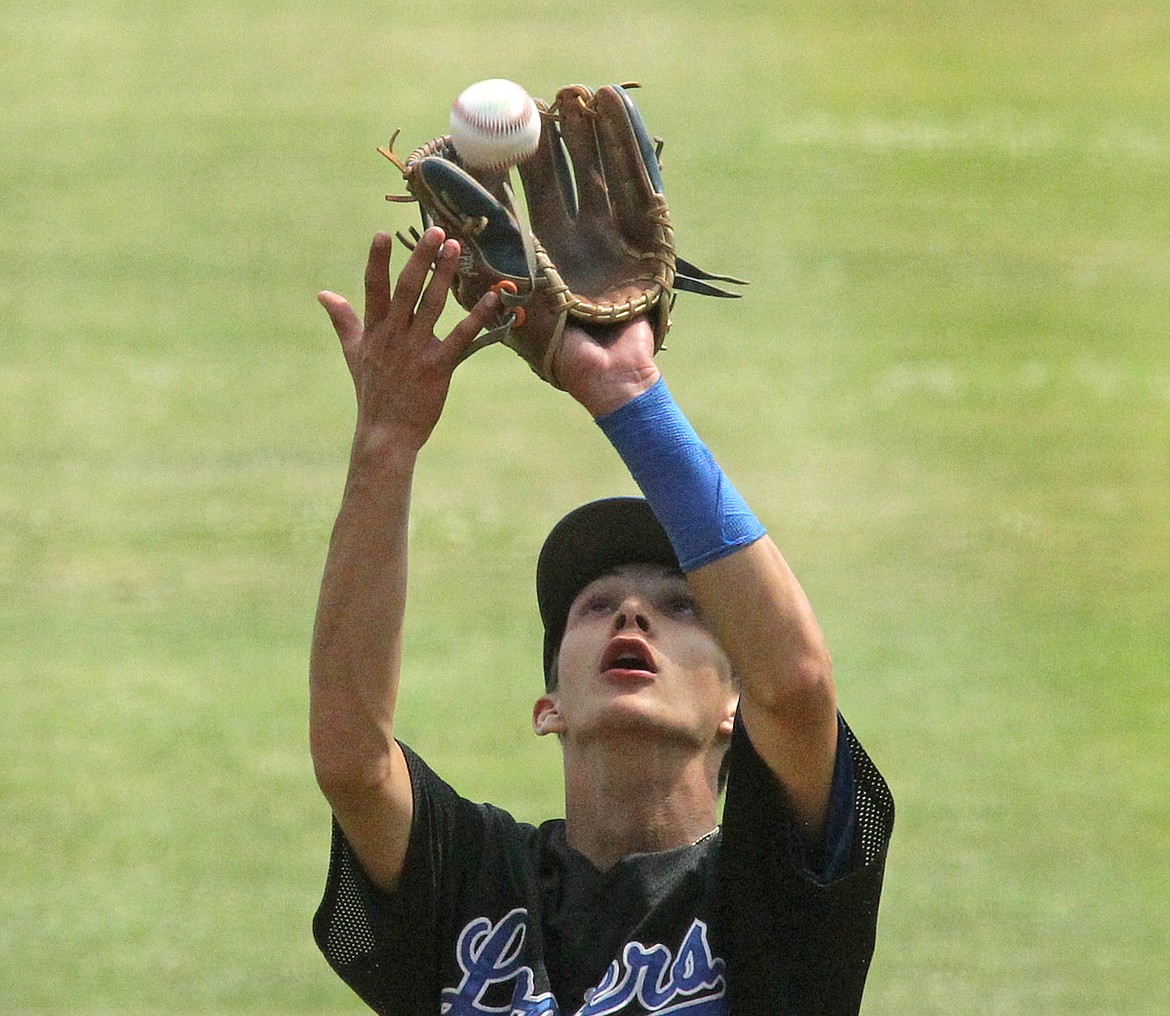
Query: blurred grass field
{"x": 947, "y": 393}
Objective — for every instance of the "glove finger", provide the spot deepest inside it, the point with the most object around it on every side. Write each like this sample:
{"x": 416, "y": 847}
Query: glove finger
{"x": 578, "y": 129}
{"x": 628, "y": 156}
{"x": 548, "y": 183}
{"x": 474, "y": 216}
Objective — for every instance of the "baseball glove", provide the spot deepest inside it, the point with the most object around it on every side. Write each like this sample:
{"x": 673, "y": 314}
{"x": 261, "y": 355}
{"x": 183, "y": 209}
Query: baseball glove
{"x": 591, "y": 242}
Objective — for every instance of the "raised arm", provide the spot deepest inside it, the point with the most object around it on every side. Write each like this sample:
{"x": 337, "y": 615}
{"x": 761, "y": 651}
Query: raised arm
{"x": 744, "y": 586}
{"x": 401, "y": 374}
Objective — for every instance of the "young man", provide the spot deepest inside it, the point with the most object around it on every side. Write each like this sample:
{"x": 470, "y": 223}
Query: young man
{"x": 678, "y": 648}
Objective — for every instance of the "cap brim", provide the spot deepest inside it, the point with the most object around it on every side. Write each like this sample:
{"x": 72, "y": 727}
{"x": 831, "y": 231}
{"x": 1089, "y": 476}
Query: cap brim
{"x": 589, "y": 542}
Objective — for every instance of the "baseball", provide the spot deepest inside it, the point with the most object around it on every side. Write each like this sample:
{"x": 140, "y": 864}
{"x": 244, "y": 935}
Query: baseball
{"x": 494, "y": 125}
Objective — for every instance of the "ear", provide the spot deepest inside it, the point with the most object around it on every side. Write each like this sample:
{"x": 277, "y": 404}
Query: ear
{"x": 727, "y": 722}
{"x": 545, "y": 717}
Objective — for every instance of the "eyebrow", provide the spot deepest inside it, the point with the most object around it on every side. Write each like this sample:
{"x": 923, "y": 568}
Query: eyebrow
{"x": 655, "y": 581}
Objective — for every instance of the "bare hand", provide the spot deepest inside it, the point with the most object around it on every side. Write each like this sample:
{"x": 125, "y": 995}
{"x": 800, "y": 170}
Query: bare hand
{"x": 605, "y": 367}
{"x": 401, "y": 371}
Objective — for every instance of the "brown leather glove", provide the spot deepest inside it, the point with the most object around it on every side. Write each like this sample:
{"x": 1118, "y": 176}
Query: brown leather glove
{"x": 592, "y": 242}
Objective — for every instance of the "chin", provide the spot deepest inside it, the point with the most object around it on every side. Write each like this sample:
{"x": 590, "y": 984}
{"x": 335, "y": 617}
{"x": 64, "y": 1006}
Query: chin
{"x": 629, "y": 713}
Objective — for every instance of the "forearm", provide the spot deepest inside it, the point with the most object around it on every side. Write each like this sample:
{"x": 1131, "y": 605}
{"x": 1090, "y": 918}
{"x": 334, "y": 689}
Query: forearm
{"x": 763, "y": 618}
{"x": 745, "y": 586}
{"x": 357, "y": 637}
{"x": 401, "y": 372}
{"x": 747, "y": 593}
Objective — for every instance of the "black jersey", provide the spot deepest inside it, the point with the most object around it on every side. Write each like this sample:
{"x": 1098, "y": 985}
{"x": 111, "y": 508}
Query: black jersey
{"x": 494, "y": 916}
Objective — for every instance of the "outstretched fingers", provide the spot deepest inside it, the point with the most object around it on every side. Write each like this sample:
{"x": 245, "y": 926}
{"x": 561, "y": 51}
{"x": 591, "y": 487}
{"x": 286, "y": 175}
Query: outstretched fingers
{"x": 413, "y": 277}
{"x": 405, "y": 318}
{"x": 434, "y": 297}
{"x": 378, "y": 278}
{"x": 459, "y": 341}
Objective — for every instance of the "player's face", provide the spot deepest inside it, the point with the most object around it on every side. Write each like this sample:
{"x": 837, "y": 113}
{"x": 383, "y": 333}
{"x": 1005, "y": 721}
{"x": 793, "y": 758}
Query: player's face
{"x": 637, "y": 655}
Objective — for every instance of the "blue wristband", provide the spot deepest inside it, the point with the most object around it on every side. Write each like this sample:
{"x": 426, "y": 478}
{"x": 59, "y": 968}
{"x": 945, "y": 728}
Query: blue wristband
{"x": 702, "y": 513}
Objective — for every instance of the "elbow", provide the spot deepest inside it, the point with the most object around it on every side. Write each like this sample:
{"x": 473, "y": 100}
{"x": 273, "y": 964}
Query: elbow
{"x": 816, "y": 686}
{"x": 809, "y": 688}
{"x": 347, "y": 763}
{"x": 334, "y": 767}
{"x": 801, "y": 690}
{"x": 348, "y": 743}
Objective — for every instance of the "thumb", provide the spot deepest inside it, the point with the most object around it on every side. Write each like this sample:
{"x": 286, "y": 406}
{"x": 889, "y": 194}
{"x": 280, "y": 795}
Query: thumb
{"x": 345, "y": 321}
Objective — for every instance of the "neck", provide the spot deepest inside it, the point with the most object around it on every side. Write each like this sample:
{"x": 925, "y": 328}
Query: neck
{"x": 637, "y": 796}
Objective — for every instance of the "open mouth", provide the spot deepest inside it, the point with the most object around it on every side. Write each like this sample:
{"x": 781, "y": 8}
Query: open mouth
{"x": 629, "y": 654}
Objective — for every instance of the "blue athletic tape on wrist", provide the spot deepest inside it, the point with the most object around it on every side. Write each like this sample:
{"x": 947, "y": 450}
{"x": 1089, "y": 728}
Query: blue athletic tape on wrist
{"x": 702, "y": 513}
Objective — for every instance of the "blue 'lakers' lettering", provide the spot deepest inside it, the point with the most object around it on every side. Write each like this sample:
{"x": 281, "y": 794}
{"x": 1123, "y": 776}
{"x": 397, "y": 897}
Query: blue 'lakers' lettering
{"x": 491, "y": 954}
{"x": 647, "y": 979}
{"x": 659, "y": 980}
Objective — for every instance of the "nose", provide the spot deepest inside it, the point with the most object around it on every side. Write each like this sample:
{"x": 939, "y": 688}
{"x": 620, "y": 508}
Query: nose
{"x": 631, "y": 615}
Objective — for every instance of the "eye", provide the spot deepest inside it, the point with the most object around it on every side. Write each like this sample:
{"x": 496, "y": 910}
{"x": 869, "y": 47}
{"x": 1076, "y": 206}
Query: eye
{"x": 596, "y": 603}
{"x": 680, "y": 605}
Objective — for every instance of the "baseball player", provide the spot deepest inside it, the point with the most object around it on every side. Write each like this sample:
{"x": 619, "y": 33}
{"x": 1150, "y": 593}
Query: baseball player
{"x": 681, "y": 661}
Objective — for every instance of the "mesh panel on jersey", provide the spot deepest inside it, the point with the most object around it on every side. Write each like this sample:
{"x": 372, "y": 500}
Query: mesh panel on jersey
{"x": 875, "y": 804}
{"x": 350, "y": 934}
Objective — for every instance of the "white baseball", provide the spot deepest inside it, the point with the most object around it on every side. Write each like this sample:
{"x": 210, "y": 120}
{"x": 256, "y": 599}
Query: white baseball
{"x": 494, "y": 125}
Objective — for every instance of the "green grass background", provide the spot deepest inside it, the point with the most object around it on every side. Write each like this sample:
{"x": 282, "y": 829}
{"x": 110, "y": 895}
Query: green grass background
{"x": 947, "y": 393}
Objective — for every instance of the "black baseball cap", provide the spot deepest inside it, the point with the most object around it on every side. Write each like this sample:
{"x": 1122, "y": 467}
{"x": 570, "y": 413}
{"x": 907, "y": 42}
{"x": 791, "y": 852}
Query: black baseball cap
{"x": 589, "y": 542}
